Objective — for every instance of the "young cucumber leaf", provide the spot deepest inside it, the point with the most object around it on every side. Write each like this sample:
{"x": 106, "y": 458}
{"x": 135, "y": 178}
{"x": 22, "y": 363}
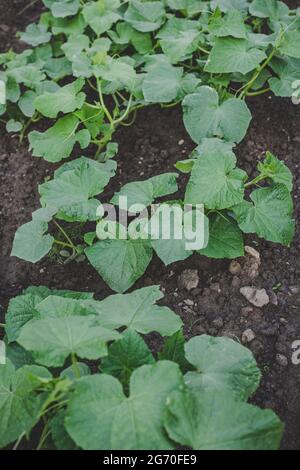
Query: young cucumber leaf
{"x": 66, "y": 100}
{"x": 233, "y": 55}
{"x": 19, "y": 403}
{"x": 276, "y": 170}
{"x": 101, "y": 15}
{"x": 58, "y": 141}
{"x": 205, "y": 117}
{"x": 52, "y": 340}
{"x": 74, "y": 186}
{"x": 145, "y": 16}
{"x": 162, "y": 83}
{"x": 228, "y": 5}
{"x": 173, "y": 350}
{"x": 232, "y": 24}
{"x": 272, "y": 9}
{"x": 30, "y": 242}
{"x": 269, "y": 215}
{"x": 137, "y": 311}
{"x": 225, "y": 238}
{"x": 35, "y": 35}
{"x": 215, "y": 181}
{"x": 126, "y": 355}
{"x": 221, "y": 363}
{"x": 100, "y": 416}
{"x": 208, "y": 420}
{"x": 145, "y": 192}
{"x": 62, "y": 8}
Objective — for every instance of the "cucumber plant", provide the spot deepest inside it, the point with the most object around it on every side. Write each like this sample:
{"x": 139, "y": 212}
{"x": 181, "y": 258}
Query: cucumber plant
{"x": 80, "y": 375}
{"x": 90, "y": 67}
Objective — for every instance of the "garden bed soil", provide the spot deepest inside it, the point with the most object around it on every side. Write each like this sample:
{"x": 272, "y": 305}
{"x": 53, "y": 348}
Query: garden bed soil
{"x": 216, "y": 307}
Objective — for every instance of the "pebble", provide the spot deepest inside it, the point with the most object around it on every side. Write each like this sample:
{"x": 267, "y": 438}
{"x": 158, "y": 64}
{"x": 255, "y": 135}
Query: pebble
{"x": 235, "y": 268}
{"x": 257, "y": 297}
{"x": 189, "y": 302}
{"x": 188, "y": 279}
{"x": 248, "y": 336}
{"x": 252, "y": 252}
{"x": 282, "y": 360}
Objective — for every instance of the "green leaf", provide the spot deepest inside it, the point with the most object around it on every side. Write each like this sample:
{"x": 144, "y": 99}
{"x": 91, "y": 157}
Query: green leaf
{"x": 13, "y": 126}
{"x": 228, "y": 5}
{"x": 162, "y": 83}
{"x": 120, "y": 262}
{"x": 29, "y": 75}
{"x": 63, "y": 8}
{"x": 137, "y": 311}
{"x": 20, "y": 310}
{"x": 189, "y": 7}
{"x": 101, "y": 15}
{"x": 232, "y": 24}
{"x": 145, "y": 192}
{"x": 173, "y": 350}
{"x": 233, "y": 55}
{"x": 100, "y": 416}
{"x": 35, "y": 35}
{"x": 53, "y": 340}
{"x": 176, "y": 232}
{"x": 276, "y": 170}
{"x": 205, "y": 117}
{"x": 272, "y": 9}
{"x": 58, "y": 141}
{"x": 269, "y": 215}
{"x": 60, "y": 437}
{"x": 225, "y": 238}
{"x": 74, "y": 186}
{"x": 215, "y": 181}
{"x": 30, "y": 242}
{"x": 126, "y": 34}
{"x": 287, "y": 82}
{"x": 126, "y": 355}
{"x": 179, "y": 38}
{"x": 145, "y": 16}
{"x": 119, "y": 73}
{"x": 19, "y": 404}
{"x": 290, "y": 44}
{"x": 66, "y": 100}
{"x": 222, "y": 364}
{"x": 213, "y": 420}
{"x": 26, "y": 103}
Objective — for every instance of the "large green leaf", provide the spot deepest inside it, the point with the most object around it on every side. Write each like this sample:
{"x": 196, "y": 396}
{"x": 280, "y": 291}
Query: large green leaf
{"x": 66, "y": 100}
{"x": 233, "y": 55}
{"x": 145, "y": 192}
{"x": 145, "y": 16}
{"x": 58, "y": 141}
{"x": 137, "y": 311}
{"x": 228, "y": 5}
{"x": 215, "y": 181}
{"x": 31, "y": 242}
{"x": 222, "y": 364}
{"x": 287, "y": 82}
{"x": 225, "y": 238}
{"x": 232, "y": 24}
{"x": 74, "y": 186}
{"x": 179, "y": 38}
{"x": 290, "y": 44}
{"x": 121, "y": 262}
{"x": 53, "y": 340}
{"x": 35, "y": 35}
{"x": 19, "y": 404}
{"x": 272, "y": 9}
{"x": 162, "y": 82}
{"x": 205, "y": 117}
{"x": 269, "y": 215}
{"x": 63, "y": 8}
{"x": 213, "y": 420}
{"x": 101, "y": 417}
{"x": 126, "y": 355}
{"x": 101, "y": 15}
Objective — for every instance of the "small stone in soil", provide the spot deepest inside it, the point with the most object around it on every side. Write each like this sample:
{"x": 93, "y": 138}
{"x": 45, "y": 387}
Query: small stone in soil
{"x": 188, "y": 279}
{"x": 257, "y": 297}
{"x": 282, "y": 360}
{"x": 248, "y": 336}
{"x": 235, "y": 268}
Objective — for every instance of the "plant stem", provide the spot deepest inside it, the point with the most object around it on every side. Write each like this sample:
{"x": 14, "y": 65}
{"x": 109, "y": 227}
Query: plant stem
{"x": 2, "y": 325}
{"x": 44, "y": 435}
{"x": 68, "y": 245}
{"x": 255, "y": 181}
{"x": 170, "y": 105}
{"x": 18, "y": 441}
{"x": 259, "y": 92}
{"x": 125, "y": 114}
{"x": 71, "y": 244}
{"x": 203, "y": 50}
{"x": 75, "y": 366}
{"x": 27, "y": 6}
{"x": 106, "y": 112}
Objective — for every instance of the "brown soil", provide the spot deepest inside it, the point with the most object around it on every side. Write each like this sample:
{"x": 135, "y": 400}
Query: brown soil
{"x": 150, "y": 147}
